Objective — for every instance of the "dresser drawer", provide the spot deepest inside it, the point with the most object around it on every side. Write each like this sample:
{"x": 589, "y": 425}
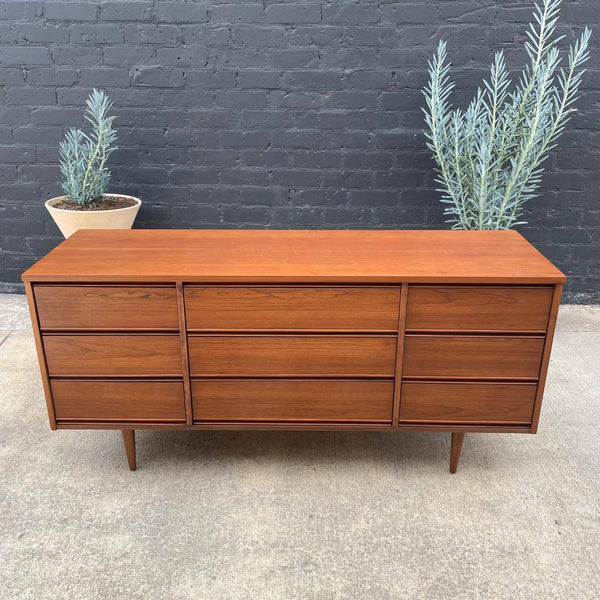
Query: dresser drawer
{"x": 477, "y": 403}
{"x": 474, "y": 357}
{"x": 113, "y": 355}
{"x": 289, "y": 356}
{"x": 478, "y": 308}
{"x": 292, "y": 308}
{"x": 106, "y": 307}
{"x": 292, "y": 400}
{"x": 78, "y": 400}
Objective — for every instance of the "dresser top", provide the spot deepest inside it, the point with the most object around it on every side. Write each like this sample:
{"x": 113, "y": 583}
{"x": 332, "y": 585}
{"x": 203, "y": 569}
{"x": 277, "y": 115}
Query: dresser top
{"x": 293, "y": 256}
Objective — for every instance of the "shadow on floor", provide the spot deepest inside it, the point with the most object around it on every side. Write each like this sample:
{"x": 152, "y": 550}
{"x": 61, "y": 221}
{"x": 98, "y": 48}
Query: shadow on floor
{"x": 288, "y": 447}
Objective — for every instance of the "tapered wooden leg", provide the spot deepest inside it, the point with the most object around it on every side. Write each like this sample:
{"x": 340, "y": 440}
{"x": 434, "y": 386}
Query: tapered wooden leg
{"x": 129, "y": 442}
{"x": 455, "y": 448}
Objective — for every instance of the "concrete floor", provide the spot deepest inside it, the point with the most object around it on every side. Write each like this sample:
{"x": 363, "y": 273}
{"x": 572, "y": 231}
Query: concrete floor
{"x": 319, "y": 515}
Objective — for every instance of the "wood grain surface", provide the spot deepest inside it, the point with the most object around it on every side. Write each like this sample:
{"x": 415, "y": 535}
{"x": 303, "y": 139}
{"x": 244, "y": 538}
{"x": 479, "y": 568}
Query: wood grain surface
{"x": 245, "y": 256}
{"x": 290, "y": 356}
{"x": 467, "y": 402}
{"x": 292, "y": 308}
{"x": 292, "y": 400}
{"x": 97, "y": 400}
{"x": 473, "y": 357}
{"x": 106, "y": 307}
{"x": 478, "y": 308}
{"x": 113, "y": 355}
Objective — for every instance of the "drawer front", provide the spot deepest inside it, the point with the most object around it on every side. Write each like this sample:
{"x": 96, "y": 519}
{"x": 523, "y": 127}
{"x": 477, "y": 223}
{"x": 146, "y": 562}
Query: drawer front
{"x": 289, "y": 356}
{"x": 106, "y": 307}
{"x": 472, "y": 357}
{"x": 479, "y": 403}
{"x": 113, "y": 355}
{"x": 452, "y": 308}
{"x": 292, "y": 308}
{"x": 118, "y": 400}
{"x": 292, "y": 400}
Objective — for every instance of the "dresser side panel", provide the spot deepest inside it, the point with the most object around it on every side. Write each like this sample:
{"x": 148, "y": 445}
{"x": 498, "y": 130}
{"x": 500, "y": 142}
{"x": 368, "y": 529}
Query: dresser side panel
{"x": 546, "y": 357}
{"x": 39, "y": 346}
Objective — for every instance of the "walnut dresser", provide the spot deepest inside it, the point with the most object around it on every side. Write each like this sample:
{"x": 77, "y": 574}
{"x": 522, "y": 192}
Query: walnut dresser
{"x": 445, "y": 331}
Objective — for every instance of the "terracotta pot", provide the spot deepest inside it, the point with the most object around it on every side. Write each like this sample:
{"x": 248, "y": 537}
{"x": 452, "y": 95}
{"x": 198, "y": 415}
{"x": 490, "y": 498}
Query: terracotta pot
{"x": 69, "y": 221}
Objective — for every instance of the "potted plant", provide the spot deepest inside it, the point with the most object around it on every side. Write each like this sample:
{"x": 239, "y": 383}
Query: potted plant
{"x": 85, "y": 178}
{"x": 490, "y": 157}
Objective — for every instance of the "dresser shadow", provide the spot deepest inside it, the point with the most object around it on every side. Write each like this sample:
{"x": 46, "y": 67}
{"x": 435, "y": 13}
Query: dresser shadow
{"x": 291, "y": 447}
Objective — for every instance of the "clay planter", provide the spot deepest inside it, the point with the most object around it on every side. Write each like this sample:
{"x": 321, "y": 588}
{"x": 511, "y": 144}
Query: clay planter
{"x": 69, "y": 221}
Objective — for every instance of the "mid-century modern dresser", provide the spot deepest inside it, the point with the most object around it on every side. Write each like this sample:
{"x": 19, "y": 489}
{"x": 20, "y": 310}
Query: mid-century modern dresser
{"x": 382, "y": 330}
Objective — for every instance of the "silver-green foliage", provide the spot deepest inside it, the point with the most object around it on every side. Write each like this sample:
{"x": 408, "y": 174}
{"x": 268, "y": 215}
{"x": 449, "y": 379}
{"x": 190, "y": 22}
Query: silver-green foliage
{"x": 83, "y": 156}
{"x": 490, "y": 156}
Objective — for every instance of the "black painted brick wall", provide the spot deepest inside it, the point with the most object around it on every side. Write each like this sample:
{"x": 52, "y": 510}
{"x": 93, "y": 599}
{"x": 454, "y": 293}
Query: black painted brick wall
{"x": 235, "y": 113}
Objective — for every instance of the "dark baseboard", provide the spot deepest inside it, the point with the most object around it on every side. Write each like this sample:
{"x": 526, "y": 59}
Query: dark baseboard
{"x": 11, "y": 288}
{"x": 581, "y": 298}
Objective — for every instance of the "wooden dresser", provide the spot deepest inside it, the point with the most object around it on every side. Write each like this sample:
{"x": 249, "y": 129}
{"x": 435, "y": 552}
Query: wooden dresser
{"x": 382, "y": 330}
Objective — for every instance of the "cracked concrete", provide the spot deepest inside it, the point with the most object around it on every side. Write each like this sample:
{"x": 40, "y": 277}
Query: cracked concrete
{"x": 286, "y": 515}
